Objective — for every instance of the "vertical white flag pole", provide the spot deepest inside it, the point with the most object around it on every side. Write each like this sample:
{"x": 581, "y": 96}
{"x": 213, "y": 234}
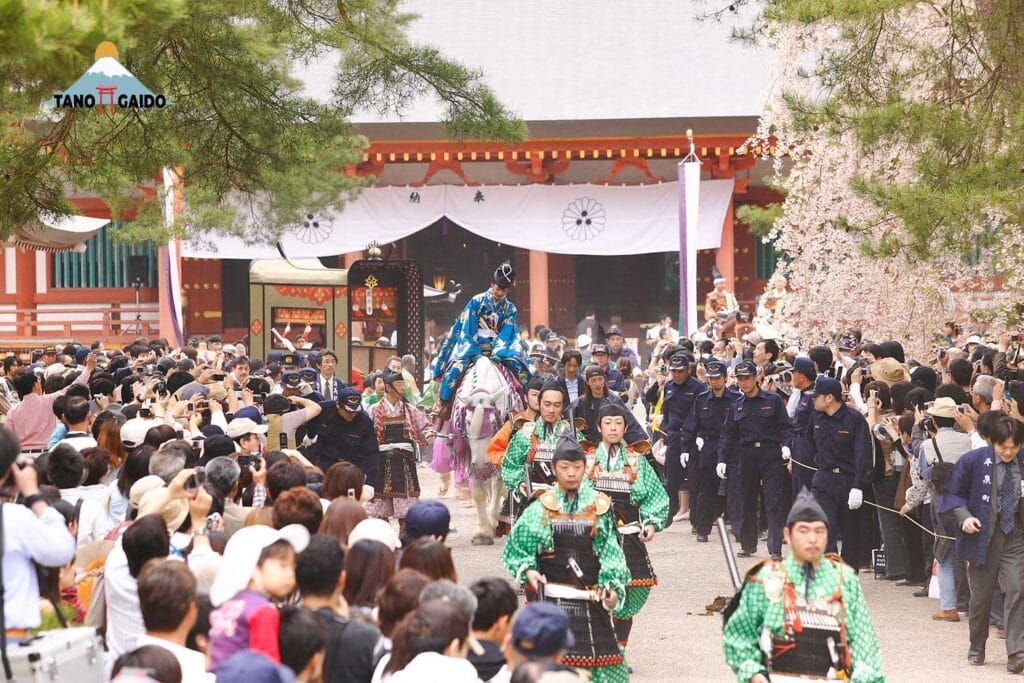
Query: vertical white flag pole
{"x": 172, "y": 260}
{"x": 689, "y": 200}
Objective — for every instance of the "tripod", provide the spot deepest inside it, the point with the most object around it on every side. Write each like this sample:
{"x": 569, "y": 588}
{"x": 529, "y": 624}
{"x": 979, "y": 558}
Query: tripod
{"x": 136, "y": 326}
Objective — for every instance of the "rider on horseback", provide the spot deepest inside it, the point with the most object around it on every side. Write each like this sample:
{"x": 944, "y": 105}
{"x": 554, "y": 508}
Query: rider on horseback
{"x": 488, "y": 326}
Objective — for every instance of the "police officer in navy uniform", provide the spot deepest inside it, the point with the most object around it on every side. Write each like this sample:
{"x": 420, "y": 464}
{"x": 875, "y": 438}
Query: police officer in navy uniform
{"x": 679, "y": 395}
{"x": 345, "y": 432}
{"x": 705, "y": 423}
{"x": 801, "y": 409}
{"x": 841, "y": 442}
{"x": 751, "y": 446}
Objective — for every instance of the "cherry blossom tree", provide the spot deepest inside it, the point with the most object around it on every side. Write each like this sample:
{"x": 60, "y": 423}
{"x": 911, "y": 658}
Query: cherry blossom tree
{"x": 890, "y": 122}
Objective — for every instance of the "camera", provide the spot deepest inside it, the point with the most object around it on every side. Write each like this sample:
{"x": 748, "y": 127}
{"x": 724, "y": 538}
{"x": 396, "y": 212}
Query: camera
{"x": 928, "y": 424}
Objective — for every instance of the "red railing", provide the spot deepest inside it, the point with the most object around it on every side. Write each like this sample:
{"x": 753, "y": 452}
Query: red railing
{"x": 82, "y": 322}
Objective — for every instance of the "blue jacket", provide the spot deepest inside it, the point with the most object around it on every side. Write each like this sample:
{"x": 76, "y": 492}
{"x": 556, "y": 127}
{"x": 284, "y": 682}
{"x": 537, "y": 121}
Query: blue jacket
{"x": 762, "y": 417}
{"x": 842, "y": 440}
{"x": 706, "y": 419}
{"x": 798, "y": 440}
{"x": 969, "y": 486}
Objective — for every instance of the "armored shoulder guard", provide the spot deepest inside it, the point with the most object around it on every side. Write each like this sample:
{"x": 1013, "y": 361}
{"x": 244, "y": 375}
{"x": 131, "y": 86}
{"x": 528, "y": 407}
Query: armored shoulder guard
{"x": 519, "y": 421}
{"x": 549, "y": 499}
{"x": 641, "y": 447}
{"x": 579, "y": 423}
{"x": 603, "y": 503}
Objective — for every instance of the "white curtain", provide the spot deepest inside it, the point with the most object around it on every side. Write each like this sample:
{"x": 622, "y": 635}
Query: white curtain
{"x": 560, "y": 219}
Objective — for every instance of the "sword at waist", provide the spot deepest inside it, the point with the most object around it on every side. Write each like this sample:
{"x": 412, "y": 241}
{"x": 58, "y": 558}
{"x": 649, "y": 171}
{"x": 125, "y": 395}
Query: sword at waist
{"x": 564, "y": 591}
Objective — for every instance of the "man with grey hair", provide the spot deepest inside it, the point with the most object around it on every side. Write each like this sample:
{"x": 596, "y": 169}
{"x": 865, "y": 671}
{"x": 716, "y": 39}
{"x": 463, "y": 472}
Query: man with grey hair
{"x": 981, "y": 393}
{"x": 223, "y": 473}
{"x": 443, "y": 589}
{"x": 168, "y": 461}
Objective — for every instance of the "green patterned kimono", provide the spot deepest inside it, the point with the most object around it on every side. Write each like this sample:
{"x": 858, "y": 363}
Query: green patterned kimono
{"x": 512, "y": 473}
{"x": 761, "y": 606}
{"x": 531, "y": 532}
{"x": 648, "y": 493}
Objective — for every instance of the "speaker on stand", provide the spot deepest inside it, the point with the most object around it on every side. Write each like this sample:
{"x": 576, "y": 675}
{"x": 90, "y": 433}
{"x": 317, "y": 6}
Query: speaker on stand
{"x": 138, "y": 277}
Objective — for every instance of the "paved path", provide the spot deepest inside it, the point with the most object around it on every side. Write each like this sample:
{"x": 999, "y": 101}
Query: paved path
{"x": 674, "y": 640}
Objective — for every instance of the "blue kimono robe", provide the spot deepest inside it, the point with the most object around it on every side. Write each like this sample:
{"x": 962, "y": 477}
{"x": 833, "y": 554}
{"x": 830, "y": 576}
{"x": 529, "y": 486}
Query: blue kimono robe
{"x": 969, "y": 485}
{"x": 483, "y": 321}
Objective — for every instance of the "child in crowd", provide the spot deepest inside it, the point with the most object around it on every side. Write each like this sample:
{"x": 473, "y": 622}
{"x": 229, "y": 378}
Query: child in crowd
{"x": 259, "y": 567}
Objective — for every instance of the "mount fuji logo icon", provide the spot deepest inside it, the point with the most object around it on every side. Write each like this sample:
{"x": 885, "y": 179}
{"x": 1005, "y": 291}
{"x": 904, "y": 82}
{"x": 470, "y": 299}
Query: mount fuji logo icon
{"x": 107, "y": 83}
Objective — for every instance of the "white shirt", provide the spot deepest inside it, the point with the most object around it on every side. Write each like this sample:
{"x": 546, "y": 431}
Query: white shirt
{"x": 124, "y": 618}
{"x": 44, "y": 539}
{"x": 93, "y": 524}
{"x": 193, "y": 664}
{"x": 80, "y": 440}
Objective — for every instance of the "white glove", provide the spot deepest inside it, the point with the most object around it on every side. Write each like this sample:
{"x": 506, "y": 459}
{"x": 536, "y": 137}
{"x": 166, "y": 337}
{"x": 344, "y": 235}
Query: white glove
{"x": 785, "y": 453}
{"x": 685, "y": 458}
{"x": 700, "y": 442}
{"x": 856, "y": 499}
{"x": 720, "y": 470}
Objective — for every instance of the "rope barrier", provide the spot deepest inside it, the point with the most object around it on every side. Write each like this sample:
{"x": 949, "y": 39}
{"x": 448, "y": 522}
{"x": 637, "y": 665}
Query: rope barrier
{"x": 882, "y": 507}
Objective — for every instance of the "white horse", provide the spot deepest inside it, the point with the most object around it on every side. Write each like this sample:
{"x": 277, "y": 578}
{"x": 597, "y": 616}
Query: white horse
{"x": 484, "y": 402}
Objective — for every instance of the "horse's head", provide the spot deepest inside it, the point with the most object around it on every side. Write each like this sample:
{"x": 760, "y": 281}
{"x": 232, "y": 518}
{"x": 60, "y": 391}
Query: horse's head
{"x": 483, "y": 404}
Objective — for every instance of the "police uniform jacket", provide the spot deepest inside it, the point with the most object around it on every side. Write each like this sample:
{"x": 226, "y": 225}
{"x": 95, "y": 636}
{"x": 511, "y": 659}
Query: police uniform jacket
{"x": 706, "y": 418}
{"x": 842, "y": 442}
{"x": 751, "y": 420}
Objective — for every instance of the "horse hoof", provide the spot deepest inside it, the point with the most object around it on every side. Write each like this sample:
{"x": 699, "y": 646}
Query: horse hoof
{"x": 482, "y": 540}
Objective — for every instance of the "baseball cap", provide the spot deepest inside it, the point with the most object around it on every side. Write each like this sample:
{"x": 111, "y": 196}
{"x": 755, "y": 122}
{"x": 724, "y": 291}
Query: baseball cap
{"x": 133, "y": 432}
{"x": 291, "y": 379}
{"x": 251, "y": 413}
{"x": 350, "y": 400}
{"x": 826, "y": 386}
{"x": 375, "y": 530}
{"x": 242, "y": 553}
{"x": 240, "y": 426}
{"x": 583, "y": 340}
{"x": 308, "y": 374}
{"x": 679, "y": 361}
{"x": 746, "y": 369}
{"x": 427, "y": 518}
{"x": 248, "y": 666}
{"x": 592, "y": 371}
{"x": 614, "y": 330}
{"x": 291, "y": 359}
{"x": 49, "y": 350}
{"x": 715, "y": 368}
{"x": 805, "y": 366}
{"x": 541, "y": 629}
{"x": 598, "y": 348}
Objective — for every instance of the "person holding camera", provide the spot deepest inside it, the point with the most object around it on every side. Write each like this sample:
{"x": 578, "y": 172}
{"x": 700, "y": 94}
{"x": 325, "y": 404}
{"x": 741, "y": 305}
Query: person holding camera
{"x": 32, "y": 420}
{"x": 942, "y": 448}
{"x": 33, "y": 532}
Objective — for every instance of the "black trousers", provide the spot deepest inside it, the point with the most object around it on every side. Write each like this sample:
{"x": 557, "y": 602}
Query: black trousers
{"x": 761, "y": 468}
{"x": 832, "y": 491}
{"x": 707, "y": 505}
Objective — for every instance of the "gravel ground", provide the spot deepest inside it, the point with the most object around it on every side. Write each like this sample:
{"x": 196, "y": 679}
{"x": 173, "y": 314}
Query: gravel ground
{"x": 674, "y": 639}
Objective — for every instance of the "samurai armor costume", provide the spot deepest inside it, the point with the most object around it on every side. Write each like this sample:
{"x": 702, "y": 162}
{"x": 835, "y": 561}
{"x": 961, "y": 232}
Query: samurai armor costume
{"x": 529, "y": 449}
{"x": 571, "y": 540}
{"x": 802, "y": 621}
{"x": 398, "y": 427}
{"x": 638, "y": 499}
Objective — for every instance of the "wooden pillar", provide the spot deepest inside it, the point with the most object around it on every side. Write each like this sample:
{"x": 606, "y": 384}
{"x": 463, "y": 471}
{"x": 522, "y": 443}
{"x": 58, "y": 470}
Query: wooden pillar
{"x": 351, "y": 257}
{"x": 725, "y": 256}
{"x": 25, "y": 283}
{"x": 539, "y": 302}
